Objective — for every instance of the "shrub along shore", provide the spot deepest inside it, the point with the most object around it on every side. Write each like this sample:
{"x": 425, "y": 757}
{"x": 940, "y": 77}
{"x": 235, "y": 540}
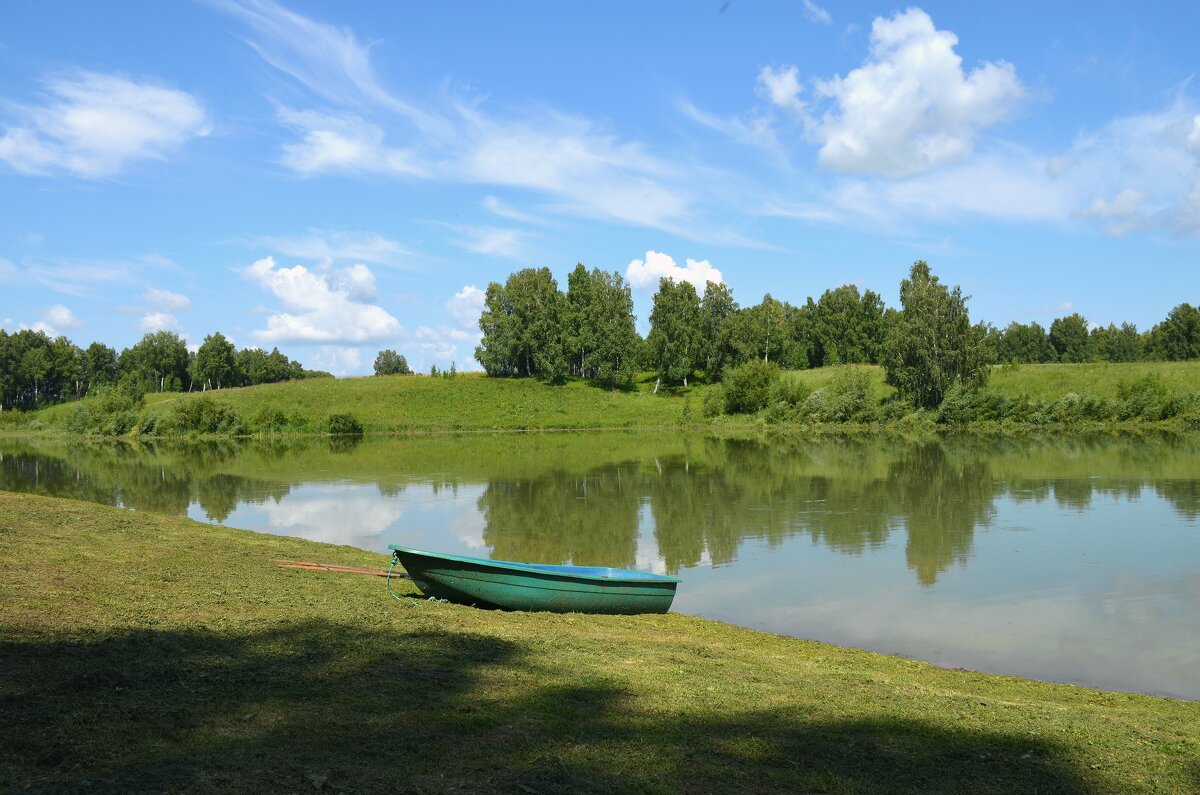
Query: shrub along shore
{"x": 146, "y": 652}
{"x": 1017, "y": 399}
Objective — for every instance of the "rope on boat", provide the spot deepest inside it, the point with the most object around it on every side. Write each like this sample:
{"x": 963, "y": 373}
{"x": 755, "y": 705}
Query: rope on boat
{"x": 392, "y": 568}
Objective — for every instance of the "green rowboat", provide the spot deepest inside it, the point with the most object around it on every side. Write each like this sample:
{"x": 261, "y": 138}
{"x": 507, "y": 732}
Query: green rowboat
{"x": 537, "y": 587}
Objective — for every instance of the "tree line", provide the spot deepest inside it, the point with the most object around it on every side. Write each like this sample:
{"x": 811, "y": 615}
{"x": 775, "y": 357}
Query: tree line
{"x": 36, "y": 370}
{"x": 532, "y": 329}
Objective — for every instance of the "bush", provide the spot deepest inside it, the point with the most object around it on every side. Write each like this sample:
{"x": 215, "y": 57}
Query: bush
{"x": 846, "y": 398}
{"x": 342, "y": 425}
{"x": 747, "y": 387}
{"x": 714, "y": 401}
{"x": 203, "y": 415}
{"x": 275, "y": 420}
{"x": 113, "y": 412}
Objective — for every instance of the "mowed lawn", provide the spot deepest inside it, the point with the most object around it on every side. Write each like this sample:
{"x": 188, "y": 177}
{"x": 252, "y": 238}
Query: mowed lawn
{"x": 140, "y": 652}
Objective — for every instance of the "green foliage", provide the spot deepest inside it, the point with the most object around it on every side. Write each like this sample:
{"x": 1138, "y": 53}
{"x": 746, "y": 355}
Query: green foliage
{"x": 113, "y": 412}
{"x": 273, "y": 419}
{"x": 342, "y": 424}
{"x": 160, "y": 358}
{"x": 388, "y": 362}
{"x": 523, "y": 324}
{"x": 1024, "y": 343}
{"x": 1069, "y": 338}
{"x": 1178, "y": 337}
{"x": 215, "y": 363}
{"x": 763, "y": 332}
{"x": 848, "y": 328}
{"x": 717, "y": 309}
{"x": 675, "y": 343}
{"x": 932, "y": 344}
{"x": 747, "y": 387}
{"x": 714, "y": 401}
{"x": 847, "y": 397}
{"x": 202, "y": 415}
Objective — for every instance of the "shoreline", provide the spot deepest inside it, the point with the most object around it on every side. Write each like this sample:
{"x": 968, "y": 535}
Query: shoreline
{"x": 150, "y": 599}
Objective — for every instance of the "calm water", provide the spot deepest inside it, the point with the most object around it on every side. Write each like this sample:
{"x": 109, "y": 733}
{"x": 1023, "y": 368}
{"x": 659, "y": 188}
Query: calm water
{"x": 1075, "y": 561}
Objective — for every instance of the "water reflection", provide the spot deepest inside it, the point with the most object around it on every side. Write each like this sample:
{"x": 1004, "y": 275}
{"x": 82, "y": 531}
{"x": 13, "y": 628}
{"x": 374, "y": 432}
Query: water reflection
{"x": 705, "y": 497}
{"x": 1075, "y": 559}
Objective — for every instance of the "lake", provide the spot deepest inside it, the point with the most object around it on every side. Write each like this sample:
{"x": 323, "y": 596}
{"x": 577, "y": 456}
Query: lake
{"x": 1069, "y": 560}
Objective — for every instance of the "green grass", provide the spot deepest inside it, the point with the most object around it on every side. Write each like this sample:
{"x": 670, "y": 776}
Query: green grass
{"x": 471, "y": 402}
{"x": 413, "y": 403}
{"x": 144, "y": 652}
{"x": 1045, "y": 381}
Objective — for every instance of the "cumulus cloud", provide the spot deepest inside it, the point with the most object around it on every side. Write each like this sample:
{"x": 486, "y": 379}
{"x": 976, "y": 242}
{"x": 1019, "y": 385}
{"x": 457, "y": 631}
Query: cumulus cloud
{"x": 647, "y": 272}
{"x": 56, "y": 320}
{"x": 160, "y": 321}
{"x": 326, "y": 305}
{"x": 910, "y": 107}
{"x": 338, "y": 360}
{"x": 165, "y": 300}
{"x": 781, "y": 87}
{"x": 92, "y": 125}
{"x": 466, "y": 306}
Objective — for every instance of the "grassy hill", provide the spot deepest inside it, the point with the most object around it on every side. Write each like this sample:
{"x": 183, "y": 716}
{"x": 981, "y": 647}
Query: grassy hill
{"x": 471, "y": 402}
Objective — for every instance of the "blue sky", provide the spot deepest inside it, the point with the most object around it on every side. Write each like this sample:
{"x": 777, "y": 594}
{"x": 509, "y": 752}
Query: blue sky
{"x": 335, "y": 179}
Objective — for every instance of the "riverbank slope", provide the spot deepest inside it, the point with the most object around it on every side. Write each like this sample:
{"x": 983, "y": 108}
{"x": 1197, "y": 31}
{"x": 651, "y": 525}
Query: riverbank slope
{"x": 1084, "y": 396}
{"x": 150, "y": 652}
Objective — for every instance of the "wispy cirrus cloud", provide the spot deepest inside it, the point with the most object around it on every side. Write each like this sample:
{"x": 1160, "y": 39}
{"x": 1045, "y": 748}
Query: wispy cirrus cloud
{"x": 338, "y": 246}
{"x": 574, "y": 165}
{"x": 94, "y": 125}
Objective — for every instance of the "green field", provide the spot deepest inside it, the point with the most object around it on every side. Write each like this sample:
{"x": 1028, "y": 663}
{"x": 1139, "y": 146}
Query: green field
{"x": 1045, "y": 381}
{"x": 471, "y": 402}
{"x": 145, "y": 652}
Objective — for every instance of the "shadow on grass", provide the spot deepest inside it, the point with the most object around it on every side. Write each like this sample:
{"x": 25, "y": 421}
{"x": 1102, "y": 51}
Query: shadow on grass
{"x": 332, "y": 707}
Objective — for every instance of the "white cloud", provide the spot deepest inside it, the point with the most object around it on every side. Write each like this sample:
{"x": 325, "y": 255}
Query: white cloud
{"x": 332, "y": 143}
{"x": 656, "y": 265}
{"x": 910, "y": 107}
{"x": 56, "y": 320}
{"x": 1134, "y": 173}
{"x": 325, "y": 305}
{"x": 338, "y": 360}
{"x": 1193, "y": 139}
{"x": 93, "y": 125}
{"x": 816, "y": 13}
{"x": 505, "y": 210}
{"x": 61, "y": 318}
{"x": 491, "y": 241}
{"x": 165, "y": 300}
{"x": 1122, "y": 214}
{"x": 337, "y": 246}
{"x": 329, "y": 61}
{"x": 582, "y": 168}
{"x": 160, "y": 321}
{"x": 466, "y": 306}
{"x": 781, "y": 87}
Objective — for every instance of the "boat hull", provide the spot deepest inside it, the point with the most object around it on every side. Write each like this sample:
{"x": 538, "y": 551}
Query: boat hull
{"x": 534, "y": 587}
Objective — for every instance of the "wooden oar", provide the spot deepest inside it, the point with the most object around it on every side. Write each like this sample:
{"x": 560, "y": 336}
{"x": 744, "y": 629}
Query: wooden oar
{"x": 333, "y": 567}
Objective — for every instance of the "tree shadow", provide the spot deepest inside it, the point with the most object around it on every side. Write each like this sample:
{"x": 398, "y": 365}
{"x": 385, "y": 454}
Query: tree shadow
{"x": 338, "y": 707}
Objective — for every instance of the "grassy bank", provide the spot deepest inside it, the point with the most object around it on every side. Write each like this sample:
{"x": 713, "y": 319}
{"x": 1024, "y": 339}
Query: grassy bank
{"x": 1087, "y": 396}
{"x": 145, "y": 652}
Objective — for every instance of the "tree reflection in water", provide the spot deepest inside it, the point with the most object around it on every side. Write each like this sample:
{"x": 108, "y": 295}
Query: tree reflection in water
{"x": 593, "y": 499}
